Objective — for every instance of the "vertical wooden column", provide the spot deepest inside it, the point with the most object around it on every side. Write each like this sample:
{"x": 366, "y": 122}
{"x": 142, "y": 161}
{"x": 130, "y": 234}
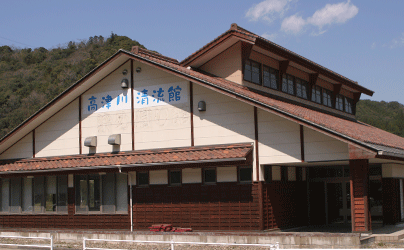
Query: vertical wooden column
{"x": 257, "y": 172}
{"x": 360, "y": 210}
{"x": 391, "y": 200}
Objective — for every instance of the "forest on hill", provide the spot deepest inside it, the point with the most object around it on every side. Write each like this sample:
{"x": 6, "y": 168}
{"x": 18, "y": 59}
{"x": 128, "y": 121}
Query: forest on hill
{"x": 30, "y": 78}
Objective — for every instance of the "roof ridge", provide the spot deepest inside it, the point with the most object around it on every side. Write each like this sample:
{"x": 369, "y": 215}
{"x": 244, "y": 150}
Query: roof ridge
{"x": 139, "y": 50}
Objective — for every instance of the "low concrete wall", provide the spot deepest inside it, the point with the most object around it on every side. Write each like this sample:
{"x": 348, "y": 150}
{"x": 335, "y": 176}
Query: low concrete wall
{"x": 286, "y": 240}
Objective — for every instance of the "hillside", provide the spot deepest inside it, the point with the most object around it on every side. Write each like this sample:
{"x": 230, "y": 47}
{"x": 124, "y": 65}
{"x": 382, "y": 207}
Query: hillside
{"x": 31, "y": 78}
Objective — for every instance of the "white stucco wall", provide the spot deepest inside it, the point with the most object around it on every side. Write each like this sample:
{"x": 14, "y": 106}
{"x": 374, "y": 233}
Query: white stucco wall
{"x": 22, "y": 149}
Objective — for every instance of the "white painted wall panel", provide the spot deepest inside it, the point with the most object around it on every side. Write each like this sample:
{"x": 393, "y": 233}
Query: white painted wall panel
{"x": 60, "y": 134}
{"x": 279, "y": 139}
{"x": 22, "y": 149}
{"x": 158, "y": 177}
{"x": 108, "y": 123}
{"x": 226, "y": 174}
{"x": 320, "y": 147}
{"x": 192, "y": 175}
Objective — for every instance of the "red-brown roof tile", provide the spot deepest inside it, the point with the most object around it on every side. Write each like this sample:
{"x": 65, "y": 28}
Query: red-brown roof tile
{"x": 143, "y": 157}
{"x": 353, "y": 129}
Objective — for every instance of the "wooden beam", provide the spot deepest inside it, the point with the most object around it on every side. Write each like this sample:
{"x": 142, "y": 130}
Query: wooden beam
{"x": 337, "y": 88}
{"x": 313, "y": 78}
{"x": 283, "y": 66}
{"x": 356, "y": 96}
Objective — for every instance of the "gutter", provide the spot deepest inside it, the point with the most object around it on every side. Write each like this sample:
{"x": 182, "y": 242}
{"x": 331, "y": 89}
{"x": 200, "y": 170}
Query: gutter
{"x": 124, "y": 166}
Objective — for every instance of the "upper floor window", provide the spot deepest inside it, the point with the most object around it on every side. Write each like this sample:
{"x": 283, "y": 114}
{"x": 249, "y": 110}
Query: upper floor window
{"x": 288, "y": 85}
{"x": 339, "y": 102}
{"x": 252, "y": 72}
{"x": 301, "y": 88}
{"x": 316, "y": 94}
{"x": 245, "y": 174}
{"x": 209, "y": 176}
{"x": 327, "y": 98}
{"x": 270, "y": 77}
{"x": 348, "y": 105}
{"x": 174, "y": 177}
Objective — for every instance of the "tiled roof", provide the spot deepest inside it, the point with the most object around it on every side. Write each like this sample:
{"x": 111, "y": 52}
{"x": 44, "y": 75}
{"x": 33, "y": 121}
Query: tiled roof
{"x": 200, "y": 154}
{"x": 352, "y": 129}
{"x": 237, "y": 29}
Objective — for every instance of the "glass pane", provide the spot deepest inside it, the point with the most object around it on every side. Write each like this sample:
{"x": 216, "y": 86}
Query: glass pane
{"x": 318, "y": 95}
{"x": 94, "y": 202}
{"x": 122, "y": 192}
{"x": 255, "y": 73}
{"x": 62, "y": 194}
{"x": 143, "y": 178}
{"x": 267, "y": 77}
{"x": 175, "y": 177}
{"x": 50, "y": 203}
{"x": 313, "y": 94}
{"x": 108, "y": 193}
{"x": 27, "y": 195}
{"x": 5, "y": 190}
{"x": 81, "y": 193}
{"x": 245, "y": 175}
{"x": 291, "y": 87}
{"x": 15, "y": 186}
{"x": 247, "y": 71}
{"x": 284, "y": 84}
{"x": 39, "y": 194}
{"x": 299, "y": 90}
{"x": 304, "y": 91}
{"x": 274, "y": 79}
{"x": 210, "y": 175}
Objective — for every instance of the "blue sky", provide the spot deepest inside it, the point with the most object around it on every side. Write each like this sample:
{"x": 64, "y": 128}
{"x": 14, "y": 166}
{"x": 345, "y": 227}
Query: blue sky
{"x": 360, "y": 39}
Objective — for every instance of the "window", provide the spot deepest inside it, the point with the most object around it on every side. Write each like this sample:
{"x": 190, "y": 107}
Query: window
{"x": 270, "y": 77}
{"x": 143, "y": 178}
{"x": 106, "y": 193}
{"x": 268, "y": 174}
{"x": 339, "y": 103}
{"x": 348, "y": 105}
{"x": 327, "y": 98}
{"x": 34, "y": 194}
{"x": 209, "y": 176}
{"x": 284, "y": 173}
{"x": 301, "y": 88}
{"x": 288, "y": 85}
{"x": 316, "y": 94}
{"x": 299, "y": 174}
{"x": 174, "y": 177}
{"x": 252, "y": 72}
{"x": 245, "y": 174}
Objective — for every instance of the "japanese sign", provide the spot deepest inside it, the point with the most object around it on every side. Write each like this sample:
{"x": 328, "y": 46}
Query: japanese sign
{"x": 158, "y": 95}
{"x": 143, "y": 97}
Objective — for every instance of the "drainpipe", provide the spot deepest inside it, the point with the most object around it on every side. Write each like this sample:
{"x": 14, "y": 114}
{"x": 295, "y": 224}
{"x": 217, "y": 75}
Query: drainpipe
{"x": 130, "y": 201}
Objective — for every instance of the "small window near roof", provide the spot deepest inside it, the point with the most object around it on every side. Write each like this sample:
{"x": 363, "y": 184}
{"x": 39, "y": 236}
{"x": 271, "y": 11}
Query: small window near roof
{"x": 270, "y": 77}
{"x": 174, "y": 177}
{"x": 209, "y": 176}
{"x": 245, "y": 174}
{"x": 301, "y": 88}
{"x": 327, "y": 98}
{"x": 143, "y": 178}
{"x": 339, "y": 103}
{"x": 268, "y": 174}
{"x": 291, "y": 85}
{"x": 316, "y": 94}
{"x": 252, "y": 72}
{"x": 348, "y": 105}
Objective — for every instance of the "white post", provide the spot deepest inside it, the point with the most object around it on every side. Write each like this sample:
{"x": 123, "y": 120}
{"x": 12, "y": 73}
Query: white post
{"x": 172, "y": 245}
{"x": 51, "y": 243}
{"x": 84, "y": 243}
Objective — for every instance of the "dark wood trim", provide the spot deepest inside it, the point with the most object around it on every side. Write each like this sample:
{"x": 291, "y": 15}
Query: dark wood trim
{"x": 302, "y": 143}
{"x": 257, "y": 164}
{"x": 313, "y": 78}
{"x": 261, "y": 204}
{"x": 132, "y": 113}
{"x": 80, "y": 130}
{"x": 356, "y": 96}
{"x": 283, "y": 66}
{"x": 337, "y": 88}
{"x": 191, "y": 109}
{"x": 33, "y": 143}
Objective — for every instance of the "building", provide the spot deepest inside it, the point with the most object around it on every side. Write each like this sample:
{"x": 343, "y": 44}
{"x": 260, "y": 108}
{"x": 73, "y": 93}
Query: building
{"x": 241, "y": 135}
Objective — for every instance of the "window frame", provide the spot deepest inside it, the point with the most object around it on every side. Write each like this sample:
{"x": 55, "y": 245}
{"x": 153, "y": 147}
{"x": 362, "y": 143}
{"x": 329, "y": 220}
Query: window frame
{"x": 239, "y": 175}
{"x": 169, "y": 178}
{"x": 341, "y": 97}
{"x": 204, "y": 176}
{"x": 251, "y": 72}
{"x": 349, "y": 104}
{"x": 302, "y": 84}
{"x": 328, "y": 97}
{"x": 271, "y": 71}
{"x": 137, "y": 179}
{"x": 101, "y": 187}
